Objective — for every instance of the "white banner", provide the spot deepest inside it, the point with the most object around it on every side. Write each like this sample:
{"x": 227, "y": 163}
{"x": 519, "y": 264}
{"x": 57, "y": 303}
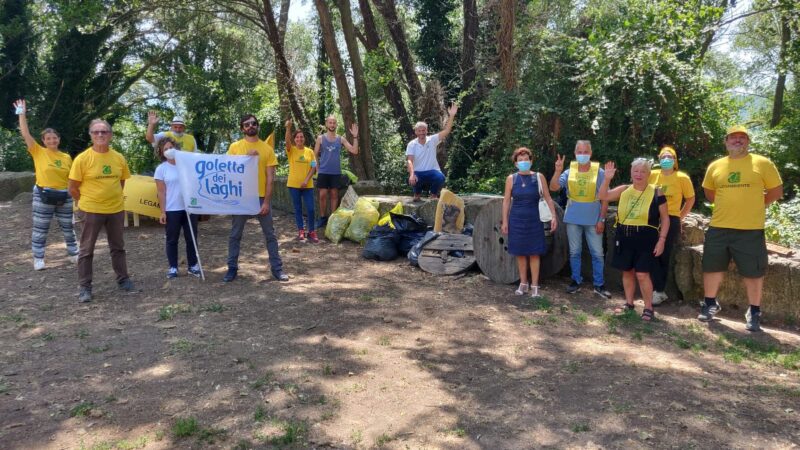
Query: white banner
{"x": 218, "y": 184}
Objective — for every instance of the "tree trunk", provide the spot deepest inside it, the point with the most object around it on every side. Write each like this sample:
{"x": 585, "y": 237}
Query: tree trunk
{"x": 780, "y": 87}
{"x": 468, "y": 69}
{"x": 268, "y": 20}
{"x": 283, "y": 19}
{"x": 372, "y": 42}
{"x": 389, "y": 13}
{"x": 362, "y": 98}
{"x": 505, "y": 45}
{"x": 343, "y": 90}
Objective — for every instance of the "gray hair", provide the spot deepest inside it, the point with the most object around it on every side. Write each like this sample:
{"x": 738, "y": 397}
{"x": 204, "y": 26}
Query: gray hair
{"x": 96, "y": 121}
{"x": 645, "y": 162}
{"x": 420, "y": 124}
{"x": 583, "y": 142}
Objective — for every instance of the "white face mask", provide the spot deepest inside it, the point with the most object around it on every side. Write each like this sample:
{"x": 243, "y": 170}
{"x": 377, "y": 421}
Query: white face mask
{"x": 170, "y": 153}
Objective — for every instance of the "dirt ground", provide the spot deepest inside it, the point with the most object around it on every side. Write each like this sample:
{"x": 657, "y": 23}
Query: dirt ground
{"x": 356, "y": 354}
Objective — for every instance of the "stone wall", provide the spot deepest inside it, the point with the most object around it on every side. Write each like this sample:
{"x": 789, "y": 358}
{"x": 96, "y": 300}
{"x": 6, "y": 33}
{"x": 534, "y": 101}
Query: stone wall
{"x": 13, "y": 183}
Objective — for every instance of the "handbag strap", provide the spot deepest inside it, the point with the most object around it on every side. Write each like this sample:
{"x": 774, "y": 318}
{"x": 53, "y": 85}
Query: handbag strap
{"x": 539, "y": 182}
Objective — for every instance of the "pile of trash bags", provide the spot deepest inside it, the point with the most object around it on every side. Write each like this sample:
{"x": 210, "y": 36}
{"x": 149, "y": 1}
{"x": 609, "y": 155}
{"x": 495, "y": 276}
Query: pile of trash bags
{"x": 395, "y": 235}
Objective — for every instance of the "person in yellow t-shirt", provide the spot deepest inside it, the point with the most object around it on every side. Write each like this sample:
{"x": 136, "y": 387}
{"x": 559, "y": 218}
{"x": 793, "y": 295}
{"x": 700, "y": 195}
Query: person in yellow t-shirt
{"x": 302, "y": 165}
{"x": 741, "y": 186}
{"x": 677, "y": 187}
{"x": 642, "y": 227}
{"x": 50, "y": 196}
{"x": 177, "y": 131}
{"x": 251, "y": 145}
{"x": 96, "y": 182}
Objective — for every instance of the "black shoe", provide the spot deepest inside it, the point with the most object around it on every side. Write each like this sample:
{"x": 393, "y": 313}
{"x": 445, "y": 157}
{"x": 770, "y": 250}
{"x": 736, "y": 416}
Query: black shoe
{"x": 753, "y": 320}
{"x": 281, "y": 277}
{"x": 573, "y": 287}
{"x": 230, "y": 275}
{"x": 707, "y": 312}
{"x": 602, "y": 291}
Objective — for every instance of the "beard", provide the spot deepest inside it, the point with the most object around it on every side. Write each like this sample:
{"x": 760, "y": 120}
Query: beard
{"x": 737, "y": 152}
{"x": 253, "y": 131}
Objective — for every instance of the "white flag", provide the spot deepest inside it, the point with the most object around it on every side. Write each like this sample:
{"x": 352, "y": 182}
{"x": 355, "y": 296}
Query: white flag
{"x": 218, "y": 184}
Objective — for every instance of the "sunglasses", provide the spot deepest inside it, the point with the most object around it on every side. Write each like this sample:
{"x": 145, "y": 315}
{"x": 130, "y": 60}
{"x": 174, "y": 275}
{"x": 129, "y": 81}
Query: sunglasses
{"x": 250, "y": 124}
{"x": 99, "y": 132}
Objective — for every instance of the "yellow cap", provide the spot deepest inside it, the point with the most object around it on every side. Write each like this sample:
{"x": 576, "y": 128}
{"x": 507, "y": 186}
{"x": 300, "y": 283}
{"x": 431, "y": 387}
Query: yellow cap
{"x": 737, "y": 129}
{"x": 669, "y": 149}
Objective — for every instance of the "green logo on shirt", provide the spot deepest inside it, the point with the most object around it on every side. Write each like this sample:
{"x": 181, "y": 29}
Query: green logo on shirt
{"x": 735, "y": 177}
{"x": 106, "y": 170}
{"x": 194, "y": 201}
{"x": 57, "y": 163}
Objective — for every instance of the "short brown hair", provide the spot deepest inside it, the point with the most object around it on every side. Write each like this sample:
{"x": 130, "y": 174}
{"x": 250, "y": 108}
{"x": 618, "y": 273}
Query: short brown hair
{"x": 49, "y": 131}
{"x": 521, "y": 151}
{"x": 160, "y": 147}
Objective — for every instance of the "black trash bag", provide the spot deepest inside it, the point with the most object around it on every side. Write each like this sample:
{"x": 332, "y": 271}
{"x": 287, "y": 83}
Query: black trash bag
{"x": 413, "y": 254}
{"x": 468, "y": 228}
{"x": 408, "y": 222}
{"x": 407, "y": 240}
{"x": 381, "y": 244}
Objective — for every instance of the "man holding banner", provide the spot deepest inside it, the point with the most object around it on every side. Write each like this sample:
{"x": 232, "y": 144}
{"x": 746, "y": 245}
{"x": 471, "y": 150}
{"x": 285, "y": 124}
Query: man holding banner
{"x": 253, "y": 146}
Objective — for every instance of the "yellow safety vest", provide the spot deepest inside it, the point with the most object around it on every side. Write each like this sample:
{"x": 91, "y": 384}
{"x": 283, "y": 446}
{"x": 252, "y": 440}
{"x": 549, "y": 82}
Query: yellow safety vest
{"x": 634, "y": 206}
{"x": 582, "y": 185}
{"x": 185, "y": 142}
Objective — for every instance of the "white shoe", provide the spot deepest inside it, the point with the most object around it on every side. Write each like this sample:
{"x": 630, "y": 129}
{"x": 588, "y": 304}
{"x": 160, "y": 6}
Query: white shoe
{"x": 522, "y": 289}
{"x": 38, "y": 263}
{"x": 73, "y": 259}
{"x": 534, "y": 291}
{"x": 659, "y": 297}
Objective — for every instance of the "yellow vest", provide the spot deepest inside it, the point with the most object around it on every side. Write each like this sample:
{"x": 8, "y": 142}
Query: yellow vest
{"x": 634, "y": 206}
{"x": 185, "y": 142}
{"x": 582, "y": 185}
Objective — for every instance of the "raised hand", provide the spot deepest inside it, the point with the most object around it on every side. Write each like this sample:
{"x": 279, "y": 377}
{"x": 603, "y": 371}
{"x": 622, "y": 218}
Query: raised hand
{"x": 452, "y": 110}
{"x": 289, "y": 124}
{"x": 152, "y": 118}
{"x": 20, "y": 105}
{"x": 354, "y": 130}
{"x": 610, "y": 169}
{"x": 559, "y": 163}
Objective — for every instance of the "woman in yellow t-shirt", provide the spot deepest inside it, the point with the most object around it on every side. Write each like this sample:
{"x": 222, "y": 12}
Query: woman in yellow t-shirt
{"x": 50, "y": 195}
{"x": 302, "y": 165}
{"x": 642, "y": 226}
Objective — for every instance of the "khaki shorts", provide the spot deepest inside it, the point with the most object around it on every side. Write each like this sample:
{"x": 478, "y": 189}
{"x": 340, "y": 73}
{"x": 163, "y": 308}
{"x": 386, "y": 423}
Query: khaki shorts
{"x": 748, "y": 248}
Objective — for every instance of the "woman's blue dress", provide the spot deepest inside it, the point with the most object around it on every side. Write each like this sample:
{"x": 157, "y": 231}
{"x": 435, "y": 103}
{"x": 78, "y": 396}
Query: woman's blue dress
{"x": 525, "y": 230}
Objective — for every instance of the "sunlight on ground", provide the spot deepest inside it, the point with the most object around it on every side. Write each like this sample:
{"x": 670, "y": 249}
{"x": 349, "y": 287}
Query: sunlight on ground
{"x": 650, "y": 357}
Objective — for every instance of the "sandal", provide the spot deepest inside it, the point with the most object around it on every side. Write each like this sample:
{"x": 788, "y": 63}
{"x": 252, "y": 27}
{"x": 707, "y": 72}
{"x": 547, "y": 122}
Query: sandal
{"x": 534, "y": 291}
{"x": 648, "y": 315}
{"x": 623, "y": 309}
{"x": 522, "y": 289}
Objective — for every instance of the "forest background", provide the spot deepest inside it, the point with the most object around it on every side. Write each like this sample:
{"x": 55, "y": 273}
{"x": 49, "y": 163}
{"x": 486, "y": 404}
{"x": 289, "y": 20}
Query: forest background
{"x": 630, "y": 75}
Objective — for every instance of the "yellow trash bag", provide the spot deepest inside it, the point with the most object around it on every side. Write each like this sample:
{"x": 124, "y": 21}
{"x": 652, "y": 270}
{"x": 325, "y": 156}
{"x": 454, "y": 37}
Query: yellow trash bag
{"x": 337, "y": 224}
{"x": 386, "y": 219}
{"x": 365, "y": 217}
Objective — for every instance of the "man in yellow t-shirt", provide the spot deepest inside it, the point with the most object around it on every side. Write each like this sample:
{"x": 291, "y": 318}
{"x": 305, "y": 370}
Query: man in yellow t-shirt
{"x": 177, "y": 131}
{"x": 253, "y": 146}
{"x": 96, "y": 180}
{"x": 741, "y": 185}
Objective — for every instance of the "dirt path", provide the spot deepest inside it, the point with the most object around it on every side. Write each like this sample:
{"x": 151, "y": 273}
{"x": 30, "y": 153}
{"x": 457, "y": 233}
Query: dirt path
{"x": 357, "y": 354}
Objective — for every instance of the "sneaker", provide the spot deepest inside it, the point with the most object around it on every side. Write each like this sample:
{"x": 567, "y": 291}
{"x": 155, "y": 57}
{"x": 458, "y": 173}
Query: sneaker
{"x": 602, "y": 291}
{"x": 312, "y": 237}
{"x": 753, "y": 320}
{"x": 707, "y": 312}
{"x": 281, "y": 276}
{"x": 38, "y": 263}
{"x": 73, "y": 259}
{"x": 659, "y": 297}
{"x": 230, "y": 275}
{"x": 573, "y": 287}
{"x": 85, "y": 295}
{"x": 126, "y": 285}
{"x": 301, "y": 235}
{"x": 172, "y": 272}
{"x": 195, "y": 270}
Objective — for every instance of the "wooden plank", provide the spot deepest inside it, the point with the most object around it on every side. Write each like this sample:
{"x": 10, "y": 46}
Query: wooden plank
{"x": 435, "y": 256}
{"x": 450, "y": 242}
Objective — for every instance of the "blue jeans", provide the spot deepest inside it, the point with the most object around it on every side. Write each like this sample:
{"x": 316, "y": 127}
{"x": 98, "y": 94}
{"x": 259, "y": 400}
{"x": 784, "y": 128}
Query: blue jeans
{"x": 575, "y": 234}
{"x": 300, "y": 197}
{"x": 432, "y": 178}
{"x": 235, "y": 241}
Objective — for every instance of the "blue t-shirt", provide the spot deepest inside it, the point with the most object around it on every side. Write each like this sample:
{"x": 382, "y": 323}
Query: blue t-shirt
{"x": 330, "y": 160}
{"x": 582, "y": 213}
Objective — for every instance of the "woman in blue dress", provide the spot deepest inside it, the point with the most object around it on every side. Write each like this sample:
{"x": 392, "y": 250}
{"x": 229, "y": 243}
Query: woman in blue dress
{"x": 521, "y": 221}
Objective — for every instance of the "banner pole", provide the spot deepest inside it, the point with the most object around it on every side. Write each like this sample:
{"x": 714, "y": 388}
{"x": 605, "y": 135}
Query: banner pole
{"x": 194, "y": 243}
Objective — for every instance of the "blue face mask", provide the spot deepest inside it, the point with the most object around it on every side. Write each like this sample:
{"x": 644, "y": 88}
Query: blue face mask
{"x": 524, "y": 166}
{"x": 582, "y": 159}
{"x": 667, "y": 163}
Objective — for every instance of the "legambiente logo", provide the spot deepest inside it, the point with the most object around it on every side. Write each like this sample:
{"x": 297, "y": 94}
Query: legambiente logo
{"x": 215, "y": 181}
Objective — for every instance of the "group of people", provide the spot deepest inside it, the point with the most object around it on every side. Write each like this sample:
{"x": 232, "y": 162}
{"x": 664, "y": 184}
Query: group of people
{"x": 649, "y": 216}
{"x": 648, "y": 221}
